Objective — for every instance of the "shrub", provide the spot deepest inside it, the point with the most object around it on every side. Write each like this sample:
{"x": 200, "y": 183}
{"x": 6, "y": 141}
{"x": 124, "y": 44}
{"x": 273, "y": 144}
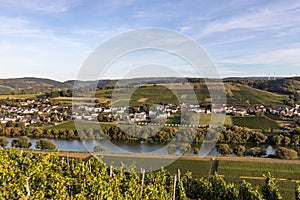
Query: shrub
{"x": 22, "y": 142}
{"x": 286, "y": 153}
{"x": 45, "y": 144}
{"x": 224, "y": 149}
{"x": 99, "y": 149}
{"x": 239, "y": 150}
{"x": 3, "y": 141}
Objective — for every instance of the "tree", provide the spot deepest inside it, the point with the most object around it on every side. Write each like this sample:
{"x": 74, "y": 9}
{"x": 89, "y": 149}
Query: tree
{"x": 286, "y": 153}
{"x": 99, "y": 149}
{"x": 286, "y": 140}
{"x": 45, "y": 144}
{"x": 184, "y": 147}
{"x": 224, "y": 149}
{"x": 277, "y": 139}
{"x": 22, "y": 142}
{"x": 3, "y": 141}
{"x": 256, "y": 151}
{"x": 171, "y": 148}
{"x": 239, "y": 150}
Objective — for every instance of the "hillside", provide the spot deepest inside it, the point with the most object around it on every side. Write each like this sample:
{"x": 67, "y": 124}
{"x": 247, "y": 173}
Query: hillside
{"x": 30, "y": 85}
{"x": 281, "y": 86}
{"x": 239, "y": 91}
{"x": 244, "y": 95}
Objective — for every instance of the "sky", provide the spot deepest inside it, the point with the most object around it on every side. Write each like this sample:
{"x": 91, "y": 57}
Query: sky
{"x": 53, "y": 39}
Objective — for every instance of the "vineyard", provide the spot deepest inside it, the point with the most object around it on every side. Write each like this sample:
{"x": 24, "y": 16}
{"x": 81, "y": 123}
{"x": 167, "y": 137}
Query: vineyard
{"x": 254, "y": 122}
{"x": 24, "y": 175}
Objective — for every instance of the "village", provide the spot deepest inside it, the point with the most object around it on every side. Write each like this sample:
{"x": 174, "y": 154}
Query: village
{"x": 43, "y": 111}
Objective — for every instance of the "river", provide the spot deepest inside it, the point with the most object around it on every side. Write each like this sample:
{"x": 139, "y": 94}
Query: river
{"x": 87, "y": 145}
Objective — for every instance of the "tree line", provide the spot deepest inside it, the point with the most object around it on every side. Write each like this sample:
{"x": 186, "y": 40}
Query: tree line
{"x": 225, "y": 134}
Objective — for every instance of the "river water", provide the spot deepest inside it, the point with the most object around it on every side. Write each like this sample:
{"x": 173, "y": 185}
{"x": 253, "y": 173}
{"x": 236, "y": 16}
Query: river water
{"x": 87, "y": 145}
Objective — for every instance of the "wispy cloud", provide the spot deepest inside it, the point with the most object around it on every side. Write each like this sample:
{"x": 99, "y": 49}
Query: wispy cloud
{"x": 230, "y": 41}
{"x": 271, "y": 17}
{"x": 42, "y": 6}
{"x": 21, "y": 27}
{"x": 288, "y": 56}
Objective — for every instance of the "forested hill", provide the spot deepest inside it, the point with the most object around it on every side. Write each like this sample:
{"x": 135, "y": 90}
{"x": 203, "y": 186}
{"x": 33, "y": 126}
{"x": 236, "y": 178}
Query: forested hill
{"x": 35, "y": 85}
{"x": 282, "y": 86}
{"x": 30, "y": 85}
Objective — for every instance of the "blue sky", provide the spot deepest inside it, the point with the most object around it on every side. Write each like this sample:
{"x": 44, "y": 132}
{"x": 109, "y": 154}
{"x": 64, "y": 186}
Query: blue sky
{"x": 52, "y": 39}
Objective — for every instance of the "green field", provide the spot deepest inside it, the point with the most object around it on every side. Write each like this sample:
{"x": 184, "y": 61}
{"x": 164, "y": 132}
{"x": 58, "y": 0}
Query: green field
{"x": 199, "y": 168}
{"x": 239, "y": 168}
{"x": 162, "y": 93}
{"x": 244, "y": 95}
{"x": 105, "y": 94}
{"x": 19, "y": 96}
{"x": 205, "y": 119}
{"x": 79, "y": 100}
{"x": 154, "y": 94}
{"x": 70, "y": 125}
{"x": 250, "y": 122}
{"x": 233, "y": 169}
{"x": 255, "y": 122}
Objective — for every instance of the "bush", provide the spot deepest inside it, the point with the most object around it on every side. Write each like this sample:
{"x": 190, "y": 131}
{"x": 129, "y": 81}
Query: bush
{"x": 171, "y": 148}
{"x": 286, "y": 153}
{"x": 224, "y": 149}
{"x": 256, "y": 152}
{"x": 196, "y": 151}
{"x": 270, "y": 189}
{"x": 184, "y": 147}
{"x": 22, "y": 142}
{"x": 3, "y": 141}
{"x": 45, "y": 144}
{"x": 247, "y": 191}
{"x": 99, "y": 149}
{"x": 239, "y": 150}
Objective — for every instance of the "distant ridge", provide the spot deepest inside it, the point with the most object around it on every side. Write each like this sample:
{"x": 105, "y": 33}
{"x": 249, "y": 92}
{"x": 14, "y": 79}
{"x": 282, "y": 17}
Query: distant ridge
{"x": 30, "y": 84}
{"x": 283, "y": 85}
{"x": 254, "y": 78}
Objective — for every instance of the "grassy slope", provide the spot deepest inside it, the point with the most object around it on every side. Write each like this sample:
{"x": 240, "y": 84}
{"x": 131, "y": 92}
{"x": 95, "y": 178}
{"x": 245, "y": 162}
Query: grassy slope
{"x": 240, "y": 94}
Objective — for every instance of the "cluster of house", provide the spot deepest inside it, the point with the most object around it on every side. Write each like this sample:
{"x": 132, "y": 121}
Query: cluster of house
{"x": 285, "y": 111}
{"x": 252, "y": 110}
{"x": 32, "y": 112}
{"x": 123, "y": 113}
